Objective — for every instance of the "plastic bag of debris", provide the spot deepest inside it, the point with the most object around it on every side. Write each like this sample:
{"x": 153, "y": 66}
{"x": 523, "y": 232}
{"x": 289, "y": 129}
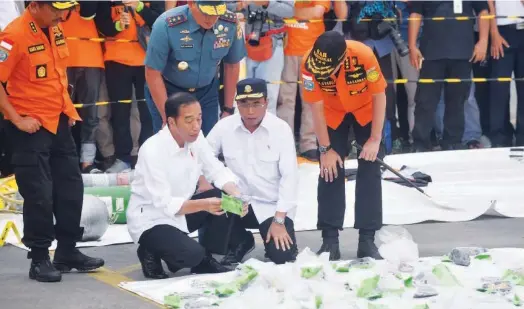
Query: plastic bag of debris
{"x": 397, "y": 247}
{"x": 311, "y": 266}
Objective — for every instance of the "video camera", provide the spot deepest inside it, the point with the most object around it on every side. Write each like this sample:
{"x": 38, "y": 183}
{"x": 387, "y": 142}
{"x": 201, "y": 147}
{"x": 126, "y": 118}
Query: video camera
{"x": 390, "y": 29}
{"x": 255, "y": 22}
{"x": 377, "y": 28}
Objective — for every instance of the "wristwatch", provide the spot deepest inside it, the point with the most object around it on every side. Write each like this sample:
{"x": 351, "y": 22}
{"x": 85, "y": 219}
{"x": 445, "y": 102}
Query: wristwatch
{"x": 229, "y": 110}
{"x": 278, "y": 220}
{"x": 324, "y": 149}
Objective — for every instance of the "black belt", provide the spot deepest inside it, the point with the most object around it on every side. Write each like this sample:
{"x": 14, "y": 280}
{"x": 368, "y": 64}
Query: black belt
{"x": 169, "y": 84}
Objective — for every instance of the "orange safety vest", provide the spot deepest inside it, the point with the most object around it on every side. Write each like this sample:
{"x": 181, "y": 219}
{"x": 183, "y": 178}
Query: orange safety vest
{"x": 352, "y": 91}
{"x": 131, "y": 54}
{"x": 77, "y": 27}
{"x": 34, "y": 68}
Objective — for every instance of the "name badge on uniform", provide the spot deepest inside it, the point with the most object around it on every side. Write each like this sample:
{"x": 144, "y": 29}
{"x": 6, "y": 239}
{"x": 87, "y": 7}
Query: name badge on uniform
{"x": 457, "y": 6}
{"x": 36, "y": 48}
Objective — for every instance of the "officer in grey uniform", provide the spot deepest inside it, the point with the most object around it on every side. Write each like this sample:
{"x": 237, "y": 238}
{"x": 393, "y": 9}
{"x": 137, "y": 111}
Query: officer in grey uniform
{"x": 185, "y": 49}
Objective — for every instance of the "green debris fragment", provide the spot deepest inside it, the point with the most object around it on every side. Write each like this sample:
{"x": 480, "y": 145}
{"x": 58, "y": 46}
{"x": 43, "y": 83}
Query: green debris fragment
{"x": 232, "y": 204}
{"x": 445, "y": 276}
{"x": 368, "y": 288}
{"x": 408, "y": 282}
{"x": 310, "y": 272}
{"x": 226, "y": 290}
{"x": 172, "y": 301}
{"x": 318, "y": 301}
{"x": 240, "y": 283}
{"x": 341, "y": 267}
{"x": 483, "y": 257}
{"x": 377, "y": 306}
{"x": 514, "y": 276}
{"x": 445, "y": 259}
{"x": 516, "y": 301}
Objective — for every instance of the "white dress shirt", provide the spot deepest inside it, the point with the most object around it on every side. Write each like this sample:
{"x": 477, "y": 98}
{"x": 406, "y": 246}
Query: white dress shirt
{"x": 165, "y": 177}
{"x": 265, "y": 162}
{"x": 509, "y": 8}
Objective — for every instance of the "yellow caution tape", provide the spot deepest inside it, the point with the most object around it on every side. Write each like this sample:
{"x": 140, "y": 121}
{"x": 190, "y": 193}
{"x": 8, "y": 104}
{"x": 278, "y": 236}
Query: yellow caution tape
{"x": 9, "y": 226}
{"x": 396, "y": 81}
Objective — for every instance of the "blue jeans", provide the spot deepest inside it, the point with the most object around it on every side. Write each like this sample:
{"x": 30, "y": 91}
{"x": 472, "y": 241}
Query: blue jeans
{"x": 207, "y": 96}
{"x": 472, "y": 128}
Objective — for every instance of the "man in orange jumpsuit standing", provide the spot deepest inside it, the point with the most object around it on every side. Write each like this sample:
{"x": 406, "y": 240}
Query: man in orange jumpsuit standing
{"x": 33, "y": 62}
{"x": 344, "y": 85}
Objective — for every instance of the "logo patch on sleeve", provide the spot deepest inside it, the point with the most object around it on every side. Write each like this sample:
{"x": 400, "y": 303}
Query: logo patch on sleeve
{"x": 309, "y": 85}
{"x": 3, "y": 55}
{"x": 372, "y": 75}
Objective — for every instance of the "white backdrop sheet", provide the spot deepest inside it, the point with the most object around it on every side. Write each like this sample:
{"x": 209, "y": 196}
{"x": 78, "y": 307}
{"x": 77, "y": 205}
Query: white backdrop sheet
{"x": 471, "y": 182}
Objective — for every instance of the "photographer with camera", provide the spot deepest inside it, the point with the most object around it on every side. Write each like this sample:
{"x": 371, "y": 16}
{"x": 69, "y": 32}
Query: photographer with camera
{"x": 265, "y": 34}
{"x": 382, "y": 36}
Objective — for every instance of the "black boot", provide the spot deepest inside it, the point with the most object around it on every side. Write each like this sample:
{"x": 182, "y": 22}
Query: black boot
{"x": 68, "y": 258}
{"x": 366, "y": 245}
{"x": 210, "y": 266}
{"x": 330, "y": 244}
{"x": 332, "y": 248}
{"x": 236, "y": 254}
{"x": 151, "y": 265}
{"x": 44, "y": 271}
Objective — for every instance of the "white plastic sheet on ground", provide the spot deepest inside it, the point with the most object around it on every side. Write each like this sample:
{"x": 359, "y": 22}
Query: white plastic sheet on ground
{"x": 283, "y": 287}
{"x": 471, "y": 182}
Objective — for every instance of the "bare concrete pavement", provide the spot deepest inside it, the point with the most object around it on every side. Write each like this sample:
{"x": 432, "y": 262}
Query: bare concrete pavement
{"x": 99, "y": 289}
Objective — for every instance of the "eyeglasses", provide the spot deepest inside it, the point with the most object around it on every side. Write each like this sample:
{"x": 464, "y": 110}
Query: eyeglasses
{"x": 250, "y": 105}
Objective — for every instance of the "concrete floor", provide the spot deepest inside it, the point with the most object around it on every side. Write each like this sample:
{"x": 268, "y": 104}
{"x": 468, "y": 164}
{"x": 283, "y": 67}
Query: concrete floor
{"x": 99, "y": 289}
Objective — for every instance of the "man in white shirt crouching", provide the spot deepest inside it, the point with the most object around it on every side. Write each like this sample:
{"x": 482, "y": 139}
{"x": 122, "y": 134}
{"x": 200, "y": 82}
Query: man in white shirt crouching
{"x": 163, "y": 207}
{"x": 259, "y": 148}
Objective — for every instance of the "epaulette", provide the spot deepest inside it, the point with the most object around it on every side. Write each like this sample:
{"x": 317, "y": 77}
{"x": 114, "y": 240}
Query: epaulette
{"x": 176, "y": 20}
{"x": 229, "y": 17}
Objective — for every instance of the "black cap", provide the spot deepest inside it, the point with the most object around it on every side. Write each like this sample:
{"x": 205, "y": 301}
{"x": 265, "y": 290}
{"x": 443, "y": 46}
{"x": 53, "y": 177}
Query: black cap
{"x": 327, "y": 53}
{"x": 212, "y": 8}
{"x": 251, "y": 88}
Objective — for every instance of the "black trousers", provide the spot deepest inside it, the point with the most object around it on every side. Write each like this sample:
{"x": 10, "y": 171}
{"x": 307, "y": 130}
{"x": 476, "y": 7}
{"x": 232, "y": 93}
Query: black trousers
{"x": 250, "y": 222}
{"x": 513, "y": 61}
{"x": 428, "y": 97}
{"x": 85, "y": 89}
{"x": 120, "y": 80}
{"x": 179, "y": 250}
{"x": 391, "y": 99}
{"x": 331, "y": 196}
{"x": 49, "y": 179}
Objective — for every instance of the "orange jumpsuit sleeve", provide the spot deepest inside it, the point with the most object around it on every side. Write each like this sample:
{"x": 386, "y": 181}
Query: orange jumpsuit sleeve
{"x": 375, "y": 79}
{"x": 311, "y": 92}
{"x": 325, "y": 3}
{"x": 9, "y": 55}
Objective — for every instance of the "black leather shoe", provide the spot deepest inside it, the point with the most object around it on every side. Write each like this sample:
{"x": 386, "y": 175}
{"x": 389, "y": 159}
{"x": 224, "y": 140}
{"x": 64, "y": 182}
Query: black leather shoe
{"x": 332, "y": 248}
{"x": 235, "y": 255}
{"x": 210, "y": 266}
{"x": 151, "y": 265}
{"x": 367, "y": 248}
{"x": 66, "y": 260}
{"x": 44, "y": 271}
